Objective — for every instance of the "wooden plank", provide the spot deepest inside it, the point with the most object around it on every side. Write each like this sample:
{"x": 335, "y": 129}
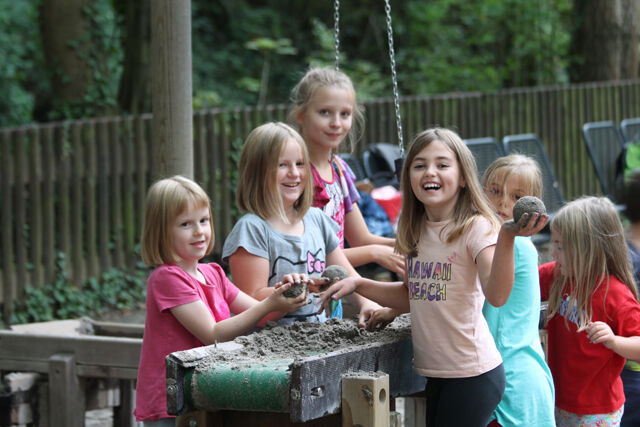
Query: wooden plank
{"x": 35, "y": 210}
{"x": 77, "y": 202}
{"x": 50, "y": 187}
{"x": 20, "y": 213}
{"x": 114, "y": 181}
{"x": 62, "y": 148}
{"x": 130, "y": 232}
{"x": 88, "y": 349}
{"x": 100, "y": 166}
{"x": 7, "y": 228}
{"x": 66, "y": 392}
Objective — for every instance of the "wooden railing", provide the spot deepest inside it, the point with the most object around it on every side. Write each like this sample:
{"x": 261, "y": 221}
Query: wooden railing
{"x": 78, "y": 187}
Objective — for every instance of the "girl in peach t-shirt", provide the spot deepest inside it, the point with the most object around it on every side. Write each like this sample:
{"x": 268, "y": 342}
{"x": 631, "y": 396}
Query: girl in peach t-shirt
{"x": 458, "y": 255}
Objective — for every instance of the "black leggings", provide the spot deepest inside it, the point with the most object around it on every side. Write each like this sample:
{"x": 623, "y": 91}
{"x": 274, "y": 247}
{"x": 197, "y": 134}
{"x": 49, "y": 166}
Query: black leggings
{"x": 468, "y": 402}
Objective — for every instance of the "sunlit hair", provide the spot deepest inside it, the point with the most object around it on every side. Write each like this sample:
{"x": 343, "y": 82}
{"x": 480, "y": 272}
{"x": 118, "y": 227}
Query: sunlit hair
{"x": 319, "y": 78}
{"x": 520, "y": 166}
{"x": 592, "y": 240}
{"x": 631, "y": 198}
{"x": 166, "y": 200}
{"x": 258, "y": 191}
{"x": 471, "y": 199}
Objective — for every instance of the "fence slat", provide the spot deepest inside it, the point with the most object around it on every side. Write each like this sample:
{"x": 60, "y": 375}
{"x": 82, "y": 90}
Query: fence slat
{"x": 7, "y": 227}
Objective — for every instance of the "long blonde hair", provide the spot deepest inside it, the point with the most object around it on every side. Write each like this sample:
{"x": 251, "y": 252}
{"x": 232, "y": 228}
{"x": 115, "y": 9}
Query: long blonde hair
{"x": 593, "y": 242}
{"x": 471, "y": 199}
{"x": 322, "y": 77}
{"x": 166, "y": 199}
{"x": 257, "y": 190}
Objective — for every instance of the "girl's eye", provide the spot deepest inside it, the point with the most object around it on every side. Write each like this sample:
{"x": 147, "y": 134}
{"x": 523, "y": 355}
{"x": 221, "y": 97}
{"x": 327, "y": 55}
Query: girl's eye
{"x": 443, "y": 165}
{"x": 204, "y": 220}
{"x": 299, "y": 164}
{"x": 184, "y": 224}
{"x": 418, "y": 166}
{"x": 345, "y": 114}
{"x": 495, "y": 191}
{"x": 324, "y": 112}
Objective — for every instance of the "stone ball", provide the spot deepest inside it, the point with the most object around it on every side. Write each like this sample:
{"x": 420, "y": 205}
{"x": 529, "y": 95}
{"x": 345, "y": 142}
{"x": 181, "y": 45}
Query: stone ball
{"x": 528, "y": 204}
{"x": 295, "y": 290}
{"x": 335, "y": 272}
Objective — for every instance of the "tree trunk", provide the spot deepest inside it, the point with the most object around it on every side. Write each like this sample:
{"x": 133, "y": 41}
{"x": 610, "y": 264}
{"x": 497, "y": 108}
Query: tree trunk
{"x": 172, "y": 125}
{"x": 134, "y": 94}
{"x": 597, "y": 40}
{"x": 64, "y": 42}
{"x": 630, "y": 39}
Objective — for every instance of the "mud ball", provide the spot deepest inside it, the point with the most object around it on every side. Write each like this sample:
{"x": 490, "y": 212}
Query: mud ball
{"x": 528, "y": 204}
{"x": 295, "y": 290}
{"x": 335, "y": 273}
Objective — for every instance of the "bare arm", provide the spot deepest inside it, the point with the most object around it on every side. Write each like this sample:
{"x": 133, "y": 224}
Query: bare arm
{"x": 366, "y": 247}
{"x": 250, "y": 273}
{"x": 390, "y": 294}
{"x": 364, "y": 305}
{"x": 197, "y": 319}
{"x": 496, "y": 263}
{"x": 627, "y": 347}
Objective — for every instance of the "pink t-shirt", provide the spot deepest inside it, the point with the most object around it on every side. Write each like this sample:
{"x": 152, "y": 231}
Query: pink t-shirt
{"x": 169, "y": 286}
{"x": 451, "y": 338}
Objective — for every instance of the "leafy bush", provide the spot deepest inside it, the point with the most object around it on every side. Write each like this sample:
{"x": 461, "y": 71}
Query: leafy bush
{"x": 115, "y": 289}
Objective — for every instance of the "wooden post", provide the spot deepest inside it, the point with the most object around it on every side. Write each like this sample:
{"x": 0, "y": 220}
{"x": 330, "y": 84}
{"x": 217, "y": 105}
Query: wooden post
{"x": 66, "y": 394}
{"x": 171, "y": 88}
{"x": 365, "y": 399}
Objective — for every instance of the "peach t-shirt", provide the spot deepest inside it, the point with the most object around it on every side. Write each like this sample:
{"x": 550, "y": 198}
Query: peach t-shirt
{"x": 451, "y": 338}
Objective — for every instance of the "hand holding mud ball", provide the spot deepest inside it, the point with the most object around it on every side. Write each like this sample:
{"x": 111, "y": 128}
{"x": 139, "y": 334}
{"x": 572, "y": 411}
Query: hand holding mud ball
{"x": 529, "y": 205}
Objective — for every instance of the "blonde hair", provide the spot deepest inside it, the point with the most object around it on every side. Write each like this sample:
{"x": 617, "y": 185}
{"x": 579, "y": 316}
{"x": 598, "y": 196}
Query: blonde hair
{"x": 322, "y": 77}
{"x": 258, "y": 170}
{"x": 471, "y": 201}
{"x": 166, "y": 200}
{"x": 518, "y": 165}
{"x": 593, "y": 242}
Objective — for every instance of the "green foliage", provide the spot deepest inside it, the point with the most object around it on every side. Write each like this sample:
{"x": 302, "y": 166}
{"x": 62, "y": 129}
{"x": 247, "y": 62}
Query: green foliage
{"x": 21, "y": 62}
{"x": 99, "y": 49}
{"x": 116, "y": 289}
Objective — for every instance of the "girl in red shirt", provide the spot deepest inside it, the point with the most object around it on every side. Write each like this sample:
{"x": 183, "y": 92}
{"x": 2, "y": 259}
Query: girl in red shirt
{"x": 593, "y": 319}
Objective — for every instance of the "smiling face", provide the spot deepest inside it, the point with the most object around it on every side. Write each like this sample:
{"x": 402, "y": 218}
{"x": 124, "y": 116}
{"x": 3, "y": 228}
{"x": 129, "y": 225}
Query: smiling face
{"x": 327, "y": 118}
{"x": 436, "y": 180}
{"x": 291, "y": 173}
{"x": 191, "y": 234}
{"x": 503, "y": 191}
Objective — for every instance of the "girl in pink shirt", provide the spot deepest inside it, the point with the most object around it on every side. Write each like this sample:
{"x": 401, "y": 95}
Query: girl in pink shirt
{"x": 458, "y": 255}
{"x": 188, "y": 303}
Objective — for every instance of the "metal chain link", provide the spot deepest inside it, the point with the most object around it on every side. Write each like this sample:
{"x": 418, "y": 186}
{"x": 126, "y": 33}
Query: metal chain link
{"x": 394, "y": 78}
{"x": 336, "y": 31}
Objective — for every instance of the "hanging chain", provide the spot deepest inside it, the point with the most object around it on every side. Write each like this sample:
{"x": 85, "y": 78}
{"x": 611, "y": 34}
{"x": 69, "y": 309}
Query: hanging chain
{"x": 336, "y": 31}
{"x": 394, "y": 78}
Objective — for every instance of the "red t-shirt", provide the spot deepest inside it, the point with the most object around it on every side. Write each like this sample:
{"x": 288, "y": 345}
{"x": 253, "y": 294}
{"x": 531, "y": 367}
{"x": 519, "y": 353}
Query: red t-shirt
{"x": 587, "y": 375}
{"x": 169, "y": 286}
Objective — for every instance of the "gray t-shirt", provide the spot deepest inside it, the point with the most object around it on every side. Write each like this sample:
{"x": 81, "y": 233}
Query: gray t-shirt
{"x": 286, "y": 253}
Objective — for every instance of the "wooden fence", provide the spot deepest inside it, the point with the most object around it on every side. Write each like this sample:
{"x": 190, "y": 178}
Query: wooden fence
{"x": 78, "y": 187}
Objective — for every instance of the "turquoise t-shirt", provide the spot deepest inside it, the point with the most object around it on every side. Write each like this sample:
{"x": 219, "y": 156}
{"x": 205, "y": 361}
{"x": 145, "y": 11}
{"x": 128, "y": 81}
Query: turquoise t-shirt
{"x": 529, "y": 394}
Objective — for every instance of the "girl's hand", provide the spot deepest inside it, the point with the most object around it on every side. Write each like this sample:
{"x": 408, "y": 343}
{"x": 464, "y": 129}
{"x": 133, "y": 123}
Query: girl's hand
{"x": 367, "y": 309}
{"x": 386, "y": 257}
{"x": 339, "y": 289}
{"x": 280, "y": 302}
{"x": 379, "y": 319}
{"x": 600, "y": 332}
{"x": 293, "y": 278}
{"x": 527, "y": 225}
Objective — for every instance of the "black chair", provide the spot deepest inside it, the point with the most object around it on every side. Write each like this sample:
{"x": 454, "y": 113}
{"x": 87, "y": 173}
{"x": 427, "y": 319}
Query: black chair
{"x": 485, "y": 151}
{"x": 605, "y": 146}
{"x": 378, "y": 161}
{"x": 630, "y": 130}
{"x": 355, "y": 165}
{"x": 530, "y": 145}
